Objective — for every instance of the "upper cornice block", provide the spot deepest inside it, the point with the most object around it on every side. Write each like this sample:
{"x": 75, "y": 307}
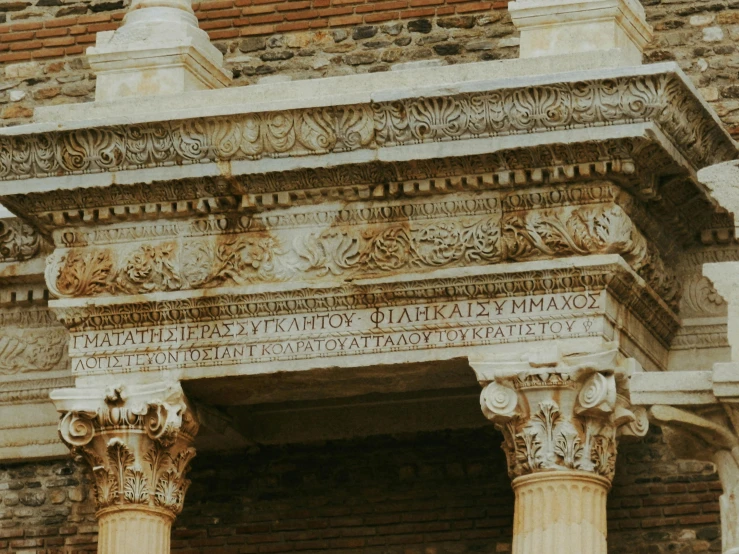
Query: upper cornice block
{"x": 366, "y": 118}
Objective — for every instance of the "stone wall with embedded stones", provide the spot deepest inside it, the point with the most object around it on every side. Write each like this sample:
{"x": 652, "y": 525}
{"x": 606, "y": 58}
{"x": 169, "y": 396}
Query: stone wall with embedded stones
{"x": 42, "y": 42}
{"x": 433, "y": 493}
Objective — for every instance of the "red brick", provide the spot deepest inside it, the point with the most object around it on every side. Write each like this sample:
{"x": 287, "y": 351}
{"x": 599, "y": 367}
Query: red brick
{"x": 215, "y": 24}
{"x": 30, "y": 26}
{"x": 223, "y": 14}
{"x": 474, "y": 7}
{"x": 94, "y": 18}
{"x": 330, "y": 12}
{"x": 227, "y": 33}
{"x": 345, "y": 20}
{"x": 74, "y": 50}
{"x": 26, "y": 45}
{"x": 257, "y": 30}
{"x": 97, "y": 27}
{"x": 296, "y": 16}
{"x": 16, "y": 37}
{"x": 304, "y": 5}
{"x": 49, "y": 53}
{"x": 380, "y": 17}
{"x": 256, "y": 10}
{"x": 292, "y": 26}
{"x": 381, "y": 6}
{"x": 271, "y": 18}
{"x": 63, "y": 22}
{"x": 15, "y": 56}
{"x": 47, "y": 33}
{"x": 86, "y": 39}
{"x": 419, "y": 12}
{"x": 222, "y": 4}
{"x": 61, "y": 41}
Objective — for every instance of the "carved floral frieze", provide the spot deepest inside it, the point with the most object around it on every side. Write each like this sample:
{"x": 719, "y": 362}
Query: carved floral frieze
{"x": 18, "y": 241}
{"x": 31, "y": 340}
{"x": 560, "y": 412}
{"x": 136, "y": 439}
{"x": 357, "y": 240}
{"x": 661, "y": 98}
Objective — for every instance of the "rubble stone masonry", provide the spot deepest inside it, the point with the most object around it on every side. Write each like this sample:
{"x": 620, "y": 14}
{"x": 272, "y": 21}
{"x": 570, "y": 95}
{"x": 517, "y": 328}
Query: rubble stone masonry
{"x": 437, "y": 493}
{"x": 42, "y": 42}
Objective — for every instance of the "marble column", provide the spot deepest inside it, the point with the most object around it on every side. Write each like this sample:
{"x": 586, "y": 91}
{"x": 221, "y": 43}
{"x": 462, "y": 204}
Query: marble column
{"x": 137, "y": 440}
{"x": 560, "y": 416}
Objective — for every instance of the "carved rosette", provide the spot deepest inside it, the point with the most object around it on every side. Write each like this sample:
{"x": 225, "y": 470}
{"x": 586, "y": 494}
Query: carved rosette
{"x": 560, "y": 412}
{"x": 137, "y": 440}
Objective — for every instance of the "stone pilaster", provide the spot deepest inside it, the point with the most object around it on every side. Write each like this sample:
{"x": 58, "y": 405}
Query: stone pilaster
{"x": 138, "y": 441}
{"x": 560, "y": 416}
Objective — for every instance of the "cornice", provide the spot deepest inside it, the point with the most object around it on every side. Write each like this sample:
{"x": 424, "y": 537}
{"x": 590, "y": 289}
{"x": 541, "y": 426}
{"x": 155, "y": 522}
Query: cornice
{"x": 505, "y": 109}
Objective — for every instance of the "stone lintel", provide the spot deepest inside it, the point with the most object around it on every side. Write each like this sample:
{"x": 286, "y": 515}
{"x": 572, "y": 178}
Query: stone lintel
{"x": 382, "y": 321}
{"x": 683, "y": 388}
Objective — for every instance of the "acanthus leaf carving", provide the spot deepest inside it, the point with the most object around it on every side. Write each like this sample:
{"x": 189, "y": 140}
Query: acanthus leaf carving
{"x": 137, "y": 440}
{"x": 563, "y": 412}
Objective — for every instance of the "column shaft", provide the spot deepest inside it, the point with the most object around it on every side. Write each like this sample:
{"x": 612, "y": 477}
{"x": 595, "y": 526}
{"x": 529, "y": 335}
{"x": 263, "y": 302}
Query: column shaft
{"x": 560, "y": 512}
{"x": 140, "y": 530}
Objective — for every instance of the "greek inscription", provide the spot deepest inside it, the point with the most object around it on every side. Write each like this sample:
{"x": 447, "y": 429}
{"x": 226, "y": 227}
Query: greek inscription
{"x": 367, "y": 330}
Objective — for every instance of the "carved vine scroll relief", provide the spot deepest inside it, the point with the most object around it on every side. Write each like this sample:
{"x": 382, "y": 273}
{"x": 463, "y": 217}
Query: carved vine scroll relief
{"x": 31, "y": 340}
{"x": 359, "y": 240}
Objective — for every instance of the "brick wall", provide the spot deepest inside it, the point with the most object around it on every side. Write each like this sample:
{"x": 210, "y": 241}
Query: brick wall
{"x": 438, "y": 493}
{"x": 41, "y": 42}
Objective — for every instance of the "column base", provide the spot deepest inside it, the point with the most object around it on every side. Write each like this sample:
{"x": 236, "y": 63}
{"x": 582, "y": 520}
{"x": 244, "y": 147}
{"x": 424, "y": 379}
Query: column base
{"x": 560, "y": 511}
{"x": 139, "y": 529}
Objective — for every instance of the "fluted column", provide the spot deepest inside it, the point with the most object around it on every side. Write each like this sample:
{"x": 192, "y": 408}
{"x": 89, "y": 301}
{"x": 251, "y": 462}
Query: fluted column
{"x": 560, "y": 416}
{"x": 138, "y": 441}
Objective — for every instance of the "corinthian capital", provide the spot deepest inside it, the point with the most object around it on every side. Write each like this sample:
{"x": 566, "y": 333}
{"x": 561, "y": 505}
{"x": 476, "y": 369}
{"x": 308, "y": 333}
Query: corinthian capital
{"x": 560, "y": 411}
{"x": 137, "y": 440}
